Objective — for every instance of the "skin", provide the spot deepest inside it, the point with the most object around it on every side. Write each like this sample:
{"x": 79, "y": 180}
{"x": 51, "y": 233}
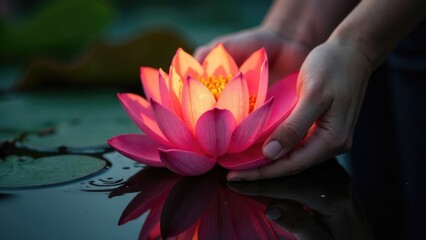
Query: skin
{"x": 336, "y": 50}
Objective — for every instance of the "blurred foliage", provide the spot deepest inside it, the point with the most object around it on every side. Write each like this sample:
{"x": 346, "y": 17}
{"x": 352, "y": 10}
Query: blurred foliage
{"x": 106, "y": 64}
{"x": 56, "y": 28}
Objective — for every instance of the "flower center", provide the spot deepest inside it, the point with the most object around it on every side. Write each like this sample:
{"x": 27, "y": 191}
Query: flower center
{"x": 215, "y": 84}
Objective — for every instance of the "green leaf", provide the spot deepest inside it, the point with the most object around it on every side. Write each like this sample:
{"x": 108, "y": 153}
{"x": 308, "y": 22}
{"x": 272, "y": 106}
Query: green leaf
{"x": 22, "y": 171}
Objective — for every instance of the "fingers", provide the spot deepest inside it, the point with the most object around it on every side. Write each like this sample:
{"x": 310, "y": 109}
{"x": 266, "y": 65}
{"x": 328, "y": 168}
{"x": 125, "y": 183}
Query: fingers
{"x": 295, "y": 220}
{"x": 314, "y": 149}
{"x": 311, "y": 105}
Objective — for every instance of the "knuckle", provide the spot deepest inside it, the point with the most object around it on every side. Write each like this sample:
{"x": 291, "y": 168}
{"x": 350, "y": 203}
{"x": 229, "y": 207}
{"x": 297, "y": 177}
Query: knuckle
{"x": 292, "y": 132}
{"x": 338, "y": 143}
{"x": 314, "y": 92}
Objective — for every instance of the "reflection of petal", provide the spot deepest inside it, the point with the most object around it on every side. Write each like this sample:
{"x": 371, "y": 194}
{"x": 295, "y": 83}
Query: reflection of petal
{"x": 247, "y": 132}
{"x": 186, "y": 65}
{"x": 235, "y": 98}
{"x": 248, "y": 159}
{"x": 173, "y": 128}
{"x": 151, "y": 226}
{"x": 247, "y": 217}
{"x": 255, "y": 70}
{"x": 156, "y": 186}
{"x": 214, "y": 130}
{"x": 185, "y": 162}
{"x": 138, "y": 147}
{"x": 285, "y": 95}
{"x": 185, "y": 204}
{"x": 141, "y": 113}
{"x": 216, "y": 221}
{"x": 144, "y": 201}
{"x": 219, "y": 62}
{"x": 196, "y": 208}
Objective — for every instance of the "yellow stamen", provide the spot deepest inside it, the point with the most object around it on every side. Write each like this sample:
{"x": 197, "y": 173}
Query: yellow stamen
{"x": 215, "y": 84}
{"x": 252, "y": 102}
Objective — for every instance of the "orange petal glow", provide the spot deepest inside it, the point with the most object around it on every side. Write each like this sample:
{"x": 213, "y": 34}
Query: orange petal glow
{"x": 196, "y": 100}
{"x": 235, "y": 98}
{"x": 149, "y": 79}
{"x": 175, "y": 88}
{"x": 186, "y": 65}
{"x": 219, "y": 62}
{"x": 255, "y": 71}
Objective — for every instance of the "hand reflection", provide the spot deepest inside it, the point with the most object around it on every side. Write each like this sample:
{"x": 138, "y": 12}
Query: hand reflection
{"x": 316, "y": 204}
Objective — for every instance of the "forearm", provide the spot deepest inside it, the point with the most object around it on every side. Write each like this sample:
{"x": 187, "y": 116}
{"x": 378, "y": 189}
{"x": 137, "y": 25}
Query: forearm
{"x": 376, "y": 26}
{"x": 309, "y": 22}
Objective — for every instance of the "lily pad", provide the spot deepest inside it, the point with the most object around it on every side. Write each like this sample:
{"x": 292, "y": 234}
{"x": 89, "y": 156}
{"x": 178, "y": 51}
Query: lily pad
{"x": 24, "y": 171}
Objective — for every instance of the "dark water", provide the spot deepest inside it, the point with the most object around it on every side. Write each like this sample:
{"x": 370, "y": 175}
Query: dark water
{"x": 131, "y": 202}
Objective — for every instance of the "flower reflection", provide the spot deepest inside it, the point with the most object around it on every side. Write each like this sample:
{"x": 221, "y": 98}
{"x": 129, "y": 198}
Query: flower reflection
{"x": 316, "y": 204}
{"x": 198, "y": 115}
{"x": 200, "y": 207}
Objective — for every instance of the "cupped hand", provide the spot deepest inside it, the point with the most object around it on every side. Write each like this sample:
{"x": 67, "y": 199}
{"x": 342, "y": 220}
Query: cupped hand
{"x": 284, "y": 55}
{"x": 331, "y": 86}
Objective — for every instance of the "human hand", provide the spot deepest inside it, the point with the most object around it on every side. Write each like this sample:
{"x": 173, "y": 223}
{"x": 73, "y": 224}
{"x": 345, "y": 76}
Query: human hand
{"x": 331, "y": 87}
{"x": 317, "y": 204}
{"x": 284, "y": 55}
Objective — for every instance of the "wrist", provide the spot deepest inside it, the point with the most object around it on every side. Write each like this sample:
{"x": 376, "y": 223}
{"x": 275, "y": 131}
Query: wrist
{"x": 301, "y": 22}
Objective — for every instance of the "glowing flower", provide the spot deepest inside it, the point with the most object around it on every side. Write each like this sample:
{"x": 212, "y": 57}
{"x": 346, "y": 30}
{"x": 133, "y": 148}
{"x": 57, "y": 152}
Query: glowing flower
{"x": 200, "y": 115}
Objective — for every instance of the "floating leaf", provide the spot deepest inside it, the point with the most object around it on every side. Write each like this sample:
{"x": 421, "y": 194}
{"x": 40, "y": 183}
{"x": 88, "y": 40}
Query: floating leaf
{"x": 21, "y": 171}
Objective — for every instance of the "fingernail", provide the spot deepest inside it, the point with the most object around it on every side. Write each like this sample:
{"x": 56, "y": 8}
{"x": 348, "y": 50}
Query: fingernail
{"x": 273, "y": 213}
{"x": 236, "y": 182}
{"x": 272, "y": 149}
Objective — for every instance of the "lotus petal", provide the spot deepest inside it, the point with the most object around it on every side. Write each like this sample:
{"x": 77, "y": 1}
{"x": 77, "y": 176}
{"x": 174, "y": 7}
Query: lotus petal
{"x": 149, "y": 79}
{"x": 214, "y": 130}
{"x": 186, "y": 65}
{"x": 248, "y": 159}
{"x": 174, "y": 129}
{"x": 196, "y": 100}
{"x": 247, "y": 132}
{"x": 255, "y": 71}
{"x": 235, "y": 98}
{"x": 141, "y": 113}
{"x": 138, "y": 147}
{"x": 219, "y": 62}
{"x": 166, "y": 98}
{"x": 185, "y": 162}
{"x": 175, "y": 88}
{"x": 285, "y": 95}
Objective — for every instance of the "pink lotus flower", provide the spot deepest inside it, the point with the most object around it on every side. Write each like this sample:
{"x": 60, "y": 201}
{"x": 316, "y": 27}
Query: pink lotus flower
{"x": 200, "y": 115}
